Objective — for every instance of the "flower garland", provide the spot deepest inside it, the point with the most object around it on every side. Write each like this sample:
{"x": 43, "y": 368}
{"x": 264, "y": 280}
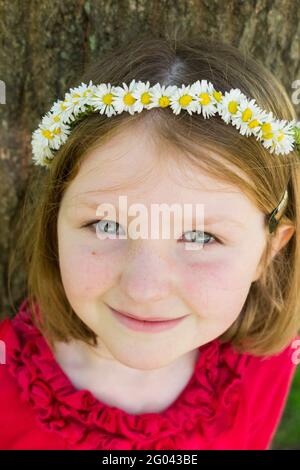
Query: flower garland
{"x": 278, "y": 136}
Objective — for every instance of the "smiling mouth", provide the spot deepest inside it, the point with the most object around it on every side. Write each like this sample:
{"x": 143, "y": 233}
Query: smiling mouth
{"x": 146, "y": 326}
{"x": 147, "y": 319}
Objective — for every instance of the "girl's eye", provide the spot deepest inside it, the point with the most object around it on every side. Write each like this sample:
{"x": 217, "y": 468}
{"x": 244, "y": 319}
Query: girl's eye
{"x": 196, "y": 236}
{"x": 106, "y": 226}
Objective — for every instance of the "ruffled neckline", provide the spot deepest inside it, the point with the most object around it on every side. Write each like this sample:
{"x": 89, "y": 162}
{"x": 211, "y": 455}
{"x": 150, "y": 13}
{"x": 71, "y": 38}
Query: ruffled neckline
{"x": 209, "y": 401}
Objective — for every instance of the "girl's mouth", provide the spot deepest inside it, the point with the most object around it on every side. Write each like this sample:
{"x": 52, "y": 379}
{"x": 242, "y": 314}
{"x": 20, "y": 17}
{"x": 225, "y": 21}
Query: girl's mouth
{"x": 145, "y": 325}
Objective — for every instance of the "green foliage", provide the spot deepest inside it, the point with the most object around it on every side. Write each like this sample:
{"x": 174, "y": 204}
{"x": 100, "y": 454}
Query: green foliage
{"x": 297, "y": 139}
{"x": 288, "y": 433}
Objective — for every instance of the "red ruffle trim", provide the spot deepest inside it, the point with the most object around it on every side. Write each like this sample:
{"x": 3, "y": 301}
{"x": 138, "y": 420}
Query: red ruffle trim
{"x": 209, "y": 402}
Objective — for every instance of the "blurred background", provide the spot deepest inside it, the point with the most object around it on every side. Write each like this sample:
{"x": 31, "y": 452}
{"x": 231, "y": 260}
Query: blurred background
{"x": 45, "y": 46}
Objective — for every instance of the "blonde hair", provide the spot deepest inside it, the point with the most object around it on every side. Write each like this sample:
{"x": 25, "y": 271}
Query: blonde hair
{"x": 269, "y": 319}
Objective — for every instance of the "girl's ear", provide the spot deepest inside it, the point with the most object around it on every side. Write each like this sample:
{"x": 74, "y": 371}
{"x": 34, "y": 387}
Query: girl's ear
{"x": 281, "y": 237}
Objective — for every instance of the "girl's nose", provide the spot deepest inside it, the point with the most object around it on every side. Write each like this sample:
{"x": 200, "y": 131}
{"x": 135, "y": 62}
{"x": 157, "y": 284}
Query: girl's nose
{"x": 147, "y": 275}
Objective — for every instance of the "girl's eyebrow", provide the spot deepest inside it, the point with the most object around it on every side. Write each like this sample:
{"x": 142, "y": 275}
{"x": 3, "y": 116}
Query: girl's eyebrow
{"x": 217, "y": 220}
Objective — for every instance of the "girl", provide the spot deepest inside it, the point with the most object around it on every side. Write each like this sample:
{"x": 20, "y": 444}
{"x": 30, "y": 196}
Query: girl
{"x": 143, "y": 342}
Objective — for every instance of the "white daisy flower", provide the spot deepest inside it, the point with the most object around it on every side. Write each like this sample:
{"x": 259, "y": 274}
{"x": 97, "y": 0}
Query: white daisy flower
{"x": 248, "y": 118}
{"x": 279, "y": 137}
{"x": 143, "y": 96}
{"x": 229, "y": 105}
{"x": 60, "y": 108}
{"x": 54, "y": 130}
{"x": 266, "y": 126}
{"x": 67, "y": 109}
{"x": 182, "y": 98}
{"x": 161, "y": 95}
{"x": 123, "y": 98}
{"x": 206, "y": 98}
{"x": 77, "y": 100}
{"x": 50, "y": 135}
{"x": 85, "y": 91}
{"x": 102, "y": 99}
{"x": 40, "y": 148}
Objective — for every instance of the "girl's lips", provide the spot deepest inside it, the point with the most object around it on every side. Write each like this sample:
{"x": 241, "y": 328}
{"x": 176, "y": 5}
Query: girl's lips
{"x": 146, "y": 326}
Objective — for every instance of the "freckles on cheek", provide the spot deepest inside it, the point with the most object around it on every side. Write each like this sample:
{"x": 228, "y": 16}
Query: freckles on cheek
{"x": 211, "y": 276}
{"x": 215, "y": 289}
{"x": 86, "y": 271}
{"x": 233, "y": 272}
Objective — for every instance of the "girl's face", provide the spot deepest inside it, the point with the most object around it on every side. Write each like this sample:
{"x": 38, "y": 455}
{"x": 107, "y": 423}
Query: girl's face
{"x": 159, "y": 277}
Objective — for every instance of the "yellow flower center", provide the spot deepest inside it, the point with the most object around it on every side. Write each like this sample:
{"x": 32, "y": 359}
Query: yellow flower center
{"x": 129, "y": 99}
{"x": 56, "y": 118}
{"x": 107, "y": 99}
{"x": 266, "y": 127}
{"x": 47, "y": 134}
{"x": 163, "y": 101}
{"x": 246, "y": 115}
{"x": 253, "y": 123}
{"x": 232, "y": 107}
{"x": 268, "y": 136}
{"x": 217, "y": 95}
{"x": 57, "y": 131}
{"x": 280, "y": 136}
{"x": 185, "y": 100}
{"x": 146, "y": 98}
{"x": 62, "y": 106}
{"x": 76, "y": 95}
{"x": 204, "y": 98}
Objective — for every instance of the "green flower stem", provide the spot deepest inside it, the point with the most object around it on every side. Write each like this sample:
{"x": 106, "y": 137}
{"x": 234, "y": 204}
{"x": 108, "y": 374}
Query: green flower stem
{"x": 297, "y": 139}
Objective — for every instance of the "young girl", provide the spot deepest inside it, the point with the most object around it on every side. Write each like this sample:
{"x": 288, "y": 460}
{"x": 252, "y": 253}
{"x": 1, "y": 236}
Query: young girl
{"x": 139, "y": 342}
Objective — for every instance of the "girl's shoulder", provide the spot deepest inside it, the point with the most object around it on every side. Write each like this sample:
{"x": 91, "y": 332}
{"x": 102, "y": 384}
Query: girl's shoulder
{"x": 267, "y": 381}
{"x": 270, "y": 376}
{"x": 19, "y": 428}
{"x": 14, "y": 416}
{"x": 282, "y": 363}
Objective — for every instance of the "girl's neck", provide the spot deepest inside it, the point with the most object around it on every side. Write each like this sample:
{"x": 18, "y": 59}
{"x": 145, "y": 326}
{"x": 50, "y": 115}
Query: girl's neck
{"x": 133, "y": 390}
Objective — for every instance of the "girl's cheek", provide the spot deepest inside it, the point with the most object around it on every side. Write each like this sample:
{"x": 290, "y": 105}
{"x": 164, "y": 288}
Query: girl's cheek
{"x": 214, "y": 271}
{"x": 87, "y": 271}
{"x": 216, "y": 288}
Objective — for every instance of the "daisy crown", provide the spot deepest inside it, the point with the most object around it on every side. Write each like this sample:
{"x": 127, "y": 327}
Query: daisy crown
{"x": 278, "y": 136}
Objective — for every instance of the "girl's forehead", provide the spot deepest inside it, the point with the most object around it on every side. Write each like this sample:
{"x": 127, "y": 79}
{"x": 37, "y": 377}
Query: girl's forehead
{"x": 170, "y": 181}
{"x": 136, "y": 163}
{"x": 136, "y": 170}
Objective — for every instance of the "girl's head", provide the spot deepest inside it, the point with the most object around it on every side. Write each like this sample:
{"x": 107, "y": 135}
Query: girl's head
{"x": 240, "y": 287}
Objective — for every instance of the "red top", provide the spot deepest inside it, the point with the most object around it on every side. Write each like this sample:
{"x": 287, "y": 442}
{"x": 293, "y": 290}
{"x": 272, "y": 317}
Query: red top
{"x": 232, "y": 401}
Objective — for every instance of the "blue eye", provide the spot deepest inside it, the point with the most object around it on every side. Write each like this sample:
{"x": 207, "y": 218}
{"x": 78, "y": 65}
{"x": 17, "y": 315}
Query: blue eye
{"x": 106, "y": 226}
{"x": 112, "y": 227}
{"x": 195, "y": 237}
